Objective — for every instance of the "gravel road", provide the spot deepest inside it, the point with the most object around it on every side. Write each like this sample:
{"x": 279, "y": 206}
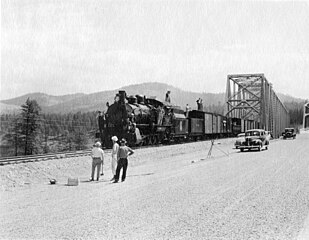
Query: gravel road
{"x": 172, "y": 192}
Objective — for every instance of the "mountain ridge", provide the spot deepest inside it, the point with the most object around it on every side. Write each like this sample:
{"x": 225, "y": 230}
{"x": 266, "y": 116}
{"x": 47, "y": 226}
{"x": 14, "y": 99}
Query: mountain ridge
{"x": 81, "y": 102}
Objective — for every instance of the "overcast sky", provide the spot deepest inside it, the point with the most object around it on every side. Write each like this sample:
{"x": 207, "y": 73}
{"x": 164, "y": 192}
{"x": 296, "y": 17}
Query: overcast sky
{"x": 67, "y": 46}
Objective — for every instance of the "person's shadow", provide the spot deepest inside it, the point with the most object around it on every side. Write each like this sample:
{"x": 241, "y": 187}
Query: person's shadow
{"x": 138, "y": 175}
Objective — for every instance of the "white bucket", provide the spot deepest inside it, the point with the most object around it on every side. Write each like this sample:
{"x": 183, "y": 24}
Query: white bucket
{"x": 73, "y": 181}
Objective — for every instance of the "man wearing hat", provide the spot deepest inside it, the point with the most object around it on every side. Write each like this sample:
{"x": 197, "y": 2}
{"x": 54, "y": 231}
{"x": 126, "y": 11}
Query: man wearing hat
{"x": 114, "y": 156}
{"x": 97, "y": 155}
{"x": 167, "y": 97}
{"x": 123, "y": 153}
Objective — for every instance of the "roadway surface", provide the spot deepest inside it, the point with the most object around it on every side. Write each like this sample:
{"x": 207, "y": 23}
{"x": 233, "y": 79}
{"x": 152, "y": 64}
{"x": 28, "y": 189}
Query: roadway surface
{"x": 174, "y": 192}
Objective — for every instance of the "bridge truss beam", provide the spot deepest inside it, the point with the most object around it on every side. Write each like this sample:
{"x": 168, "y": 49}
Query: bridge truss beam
{"x": 306, "y": 116}
{"x": 251, "y": 97}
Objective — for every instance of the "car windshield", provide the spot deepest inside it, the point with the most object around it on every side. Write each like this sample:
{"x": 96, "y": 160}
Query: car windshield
{"x": 289, "y": 130}
{"x": 253, "y": 133}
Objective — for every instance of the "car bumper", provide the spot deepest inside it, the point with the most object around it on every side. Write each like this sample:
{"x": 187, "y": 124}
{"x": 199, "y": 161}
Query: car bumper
{"x": 288, "y": 136}
{"x": 248, "y": 147}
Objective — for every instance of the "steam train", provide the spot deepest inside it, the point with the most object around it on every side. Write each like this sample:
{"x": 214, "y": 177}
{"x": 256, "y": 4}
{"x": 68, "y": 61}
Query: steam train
{"x": 148, "y": 121}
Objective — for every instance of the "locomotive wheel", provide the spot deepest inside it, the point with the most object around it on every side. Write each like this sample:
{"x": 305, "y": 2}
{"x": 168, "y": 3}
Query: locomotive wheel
{"x": 145, "y": 141}
{"x": 168, "y": 134}
{"x": 149, "y": 140}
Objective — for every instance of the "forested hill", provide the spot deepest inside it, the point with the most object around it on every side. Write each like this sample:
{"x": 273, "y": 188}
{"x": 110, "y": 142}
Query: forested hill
{"x": 96, "y": 101}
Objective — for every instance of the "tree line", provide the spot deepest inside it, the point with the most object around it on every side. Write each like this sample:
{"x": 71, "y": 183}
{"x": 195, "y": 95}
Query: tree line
{"x": 296, "y": 112}
{"x": 33, "y": 132}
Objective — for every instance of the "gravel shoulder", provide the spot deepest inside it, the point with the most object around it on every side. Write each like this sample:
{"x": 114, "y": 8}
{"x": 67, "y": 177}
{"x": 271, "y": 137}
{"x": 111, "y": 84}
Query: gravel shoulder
{"x": 171, "y": 192}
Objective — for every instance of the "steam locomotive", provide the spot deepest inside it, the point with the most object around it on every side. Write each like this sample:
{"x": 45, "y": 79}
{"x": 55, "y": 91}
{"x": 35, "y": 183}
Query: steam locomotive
{"x": 148, "y": 121}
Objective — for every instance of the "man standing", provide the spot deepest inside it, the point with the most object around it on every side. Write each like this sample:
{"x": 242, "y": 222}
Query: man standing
{"x": 123, "y": 153}
{"x": 101, "y": 122}
{"x": 187, "y": 110}
{"x": 167, "y": 97}
{"x": 201, "y": 105}
{"x": 198, "y": 104}
{"x": 102, "y": 127}
{"x": 97, "y": 155}
{"x": 115, "y": 150}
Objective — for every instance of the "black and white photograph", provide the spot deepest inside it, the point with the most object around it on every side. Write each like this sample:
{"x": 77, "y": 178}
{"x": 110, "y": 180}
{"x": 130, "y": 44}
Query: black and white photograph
{"x": 154, "y": 119}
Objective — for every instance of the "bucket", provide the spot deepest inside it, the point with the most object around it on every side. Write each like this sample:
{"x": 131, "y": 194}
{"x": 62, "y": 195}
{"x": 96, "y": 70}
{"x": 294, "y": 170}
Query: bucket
{"x": 73, "y": 181}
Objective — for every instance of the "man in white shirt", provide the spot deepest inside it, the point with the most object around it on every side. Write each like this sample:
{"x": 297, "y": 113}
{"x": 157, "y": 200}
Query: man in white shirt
{"x": 122, "y": 163}
{"x": 97, "y": 155}
{"x": 114, "y": 156}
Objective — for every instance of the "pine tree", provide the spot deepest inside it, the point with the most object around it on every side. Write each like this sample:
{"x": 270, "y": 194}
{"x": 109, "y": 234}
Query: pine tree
{"x": 30, "y": 121}
{"x": 13, "y": 136}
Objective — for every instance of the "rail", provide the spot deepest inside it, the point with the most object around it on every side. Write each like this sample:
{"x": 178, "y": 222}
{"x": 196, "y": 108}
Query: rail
{"x": 62, "y": 155}
{"x": 43, "y": 157}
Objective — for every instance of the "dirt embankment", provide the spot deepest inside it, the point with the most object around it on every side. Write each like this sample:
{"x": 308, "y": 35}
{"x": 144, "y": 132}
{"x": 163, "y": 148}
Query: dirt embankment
{"x": 15, "y": 176}
{"x": 173, "y": 192}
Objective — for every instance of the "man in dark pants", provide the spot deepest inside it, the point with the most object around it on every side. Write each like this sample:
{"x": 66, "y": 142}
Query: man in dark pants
{"x": 122, "y": 156}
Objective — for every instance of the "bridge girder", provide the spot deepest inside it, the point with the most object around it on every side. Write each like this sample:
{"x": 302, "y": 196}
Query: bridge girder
{"x": 306, "y": 115}
{"x": 251, "y": 97}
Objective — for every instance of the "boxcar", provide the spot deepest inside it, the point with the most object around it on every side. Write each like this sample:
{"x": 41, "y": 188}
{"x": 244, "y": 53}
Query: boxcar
{"x": 196, "y": 123}
{"x": 196, "y": 126}
{"x": 224, "y": 126}
{"x": 229, "y": 126}
{"x": 219, "y": 124}
{"x": 243, "y": 125}
{"x": 236, "y": 126}
{"x": 214, "y": 124}
{"x": 207, "y": 123}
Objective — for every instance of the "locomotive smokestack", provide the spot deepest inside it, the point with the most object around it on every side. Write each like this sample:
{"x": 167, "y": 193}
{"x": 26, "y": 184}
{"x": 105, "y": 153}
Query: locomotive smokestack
{"x": 122, "y": 97}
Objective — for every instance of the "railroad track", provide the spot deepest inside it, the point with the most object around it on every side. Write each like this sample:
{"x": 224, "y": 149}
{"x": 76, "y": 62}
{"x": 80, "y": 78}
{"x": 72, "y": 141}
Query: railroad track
{"x": 63, "y": 155}
{"x": 43, "y": 157}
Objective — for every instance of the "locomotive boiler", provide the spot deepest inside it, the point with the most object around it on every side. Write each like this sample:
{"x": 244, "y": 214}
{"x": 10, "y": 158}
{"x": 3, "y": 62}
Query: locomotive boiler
{"x": 142, "y": 121}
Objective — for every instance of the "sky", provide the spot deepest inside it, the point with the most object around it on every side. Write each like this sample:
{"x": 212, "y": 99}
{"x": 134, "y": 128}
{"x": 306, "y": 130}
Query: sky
{"x": 64, "y": 47}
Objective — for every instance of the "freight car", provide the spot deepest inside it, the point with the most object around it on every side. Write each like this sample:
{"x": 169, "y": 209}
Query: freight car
{"x": 148, "y": 121}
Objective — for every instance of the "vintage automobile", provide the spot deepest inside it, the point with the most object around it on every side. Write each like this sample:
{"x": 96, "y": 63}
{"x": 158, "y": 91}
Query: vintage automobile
{"x": 240, "y": 139}
{"x": 289, "y": 133}
{"x": 255, "y": 139}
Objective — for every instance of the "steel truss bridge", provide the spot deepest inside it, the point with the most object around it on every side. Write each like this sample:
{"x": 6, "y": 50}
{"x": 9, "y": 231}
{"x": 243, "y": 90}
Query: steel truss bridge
{"x": 306, "y": 116}
{"x": 251, "y": 97}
